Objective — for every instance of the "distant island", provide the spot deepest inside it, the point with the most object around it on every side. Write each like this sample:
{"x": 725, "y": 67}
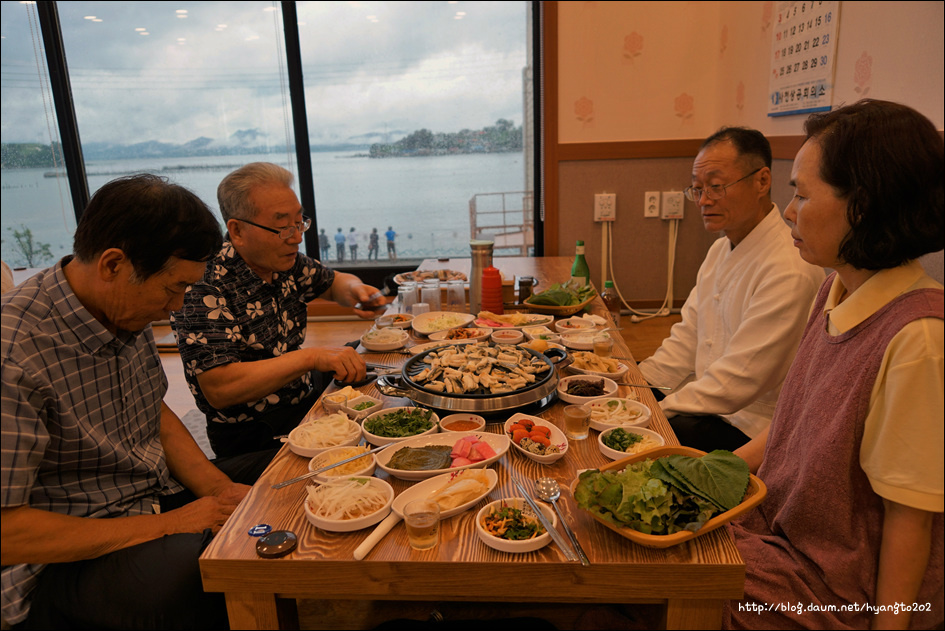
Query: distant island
{"x": 502, "y": 137}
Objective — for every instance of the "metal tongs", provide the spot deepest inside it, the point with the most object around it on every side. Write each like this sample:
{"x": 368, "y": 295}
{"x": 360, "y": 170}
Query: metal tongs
{"x": 312, "y": 474}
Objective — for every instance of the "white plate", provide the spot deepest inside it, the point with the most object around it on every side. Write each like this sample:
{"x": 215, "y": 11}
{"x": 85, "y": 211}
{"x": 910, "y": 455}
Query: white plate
{"x": 643, "y": 420}
{"x": 374, "y": 439}
{"x": 613, "y": 454}
{"x": 616, "y": 376}
{"x": 433, "y": 321}
{"x": 386, "y": 339}
{"x": 505, "y": 545}
{"x": 610, "y": 389}
{"x": 359, "y": 415}
{"x": 532, "y": 319}
{"x": 310, "y": 452}
{"x": 477, "y": 334}
{"x": 580, "y": 341}
{"x": 350, "y": 525}
{"x": 443, "y": 275}
{"x": 499, "y": 444}
{"x": 557, "y": 438}
{"x": 534, "y": 332}
{"x": 423, "y": 490}
{"x": 574, "y": 325}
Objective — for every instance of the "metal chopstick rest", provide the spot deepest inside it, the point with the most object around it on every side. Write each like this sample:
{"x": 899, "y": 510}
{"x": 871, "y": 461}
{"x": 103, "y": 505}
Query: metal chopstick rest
{"x": 312, "y": 474}
{"x": 555, "y": 535}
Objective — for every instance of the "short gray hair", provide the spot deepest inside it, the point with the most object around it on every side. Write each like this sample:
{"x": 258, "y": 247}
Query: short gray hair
{"x": 235, "y": 189}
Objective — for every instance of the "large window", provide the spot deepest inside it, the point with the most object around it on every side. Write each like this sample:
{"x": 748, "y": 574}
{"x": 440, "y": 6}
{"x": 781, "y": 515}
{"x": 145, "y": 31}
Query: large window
{"x": 418, "y": 113}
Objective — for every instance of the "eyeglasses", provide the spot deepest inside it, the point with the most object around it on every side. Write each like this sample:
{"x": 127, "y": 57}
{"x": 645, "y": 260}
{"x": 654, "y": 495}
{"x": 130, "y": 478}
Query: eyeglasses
{"x": 289, "y": 231}
{"x": 714, "y": 192}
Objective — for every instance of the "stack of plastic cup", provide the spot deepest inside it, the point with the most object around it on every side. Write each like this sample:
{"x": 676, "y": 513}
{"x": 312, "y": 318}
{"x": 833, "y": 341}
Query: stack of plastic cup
{"x": 492, "y": 290}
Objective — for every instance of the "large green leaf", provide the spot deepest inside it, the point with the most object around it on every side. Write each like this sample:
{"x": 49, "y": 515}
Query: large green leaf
{"x": 720, "y": 476}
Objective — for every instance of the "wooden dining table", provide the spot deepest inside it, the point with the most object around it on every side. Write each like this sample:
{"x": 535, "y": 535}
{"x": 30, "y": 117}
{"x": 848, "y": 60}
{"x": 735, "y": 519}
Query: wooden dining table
{"x": 691, "y": 581}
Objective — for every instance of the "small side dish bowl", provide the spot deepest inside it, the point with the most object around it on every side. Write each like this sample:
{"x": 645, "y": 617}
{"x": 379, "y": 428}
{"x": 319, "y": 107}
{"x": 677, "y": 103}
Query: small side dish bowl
{"x": 462, "y": 423}
{"x": 610, "y": 388}
{"x": 507, "y": 336}
{"x": 360, "y": 407}
{"x": 304, "y": 440}
{"x": 362, "y": 467}
{"x": 553, "y": 435}
{"x": 461, "y": 335}
{"x": 608, "y": 412}
{"x": 580, "y": 340}
{"x": 397, "y": 320}
{"x": 574, "y": 324}
{"x": 508, "y": 545}
{"x": 379, "y": 440}
{"x": 386, "y": 339}
{"x": 356, "y": 523}
{"x": 651, "y": 440}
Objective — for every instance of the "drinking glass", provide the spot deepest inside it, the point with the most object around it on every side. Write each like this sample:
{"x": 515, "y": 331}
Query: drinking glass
{"x": 430, "y": 294}
{"x": 422, "y": 518}
{"x": 409, "y": 295}
{"x": 456, "y": 296}
{"x": 577, "y": 420}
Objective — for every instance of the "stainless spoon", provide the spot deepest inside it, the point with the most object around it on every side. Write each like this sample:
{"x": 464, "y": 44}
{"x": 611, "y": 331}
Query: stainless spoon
{"x": 547, "y": 490}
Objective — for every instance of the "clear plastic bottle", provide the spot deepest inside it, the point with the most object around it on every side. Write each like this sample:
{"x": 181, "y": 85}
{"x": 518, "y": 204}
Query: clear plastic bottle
{"x": 612, "y": 301}
{"x": 580, "y": 273}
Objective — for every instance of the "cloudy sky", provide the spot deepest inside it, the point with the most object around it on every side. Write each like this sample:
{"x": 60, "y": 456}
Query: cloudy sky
{"x": 176, "y": 71}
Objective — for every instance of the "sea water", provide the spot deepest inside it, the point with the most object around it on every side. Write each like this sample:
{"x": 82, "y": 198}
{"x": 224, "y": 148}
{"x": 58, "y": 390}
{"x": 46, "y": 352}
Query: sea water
{"x": 424, "y": 199}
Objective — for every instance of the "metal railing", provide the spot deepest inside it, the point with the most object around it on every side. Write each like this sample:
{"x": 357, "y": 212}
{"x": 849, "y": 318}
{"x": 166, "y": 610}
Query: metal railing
{"x": 505, "y": 218}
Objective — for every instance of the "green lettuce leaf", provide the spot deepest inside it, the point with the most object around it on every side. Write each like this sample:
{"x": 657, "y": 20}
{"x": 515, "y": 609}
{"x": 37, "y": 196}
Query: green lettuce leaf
{"x": 719, "y": 477}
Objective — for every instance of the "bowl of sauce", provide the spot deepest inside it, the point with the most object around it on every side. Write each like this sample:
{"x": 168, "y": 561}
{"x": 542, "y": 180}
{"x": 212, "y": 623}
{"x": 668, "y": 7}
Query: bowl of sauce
{"x": 462, "y": 423}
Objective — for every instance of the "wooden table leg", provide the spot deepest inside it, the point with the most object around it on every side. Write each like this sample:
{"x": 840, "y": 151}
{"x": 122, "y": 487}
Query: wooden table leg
{"x": 252, "y": 610}
{"x": 693, "y": 613}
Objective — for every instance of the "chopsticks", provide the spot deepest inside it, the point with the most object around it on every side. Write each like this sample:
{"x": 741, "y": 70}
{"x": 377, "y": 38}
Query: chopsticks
{"x": 312, "y": 474}
{"x": 555, "y": 535}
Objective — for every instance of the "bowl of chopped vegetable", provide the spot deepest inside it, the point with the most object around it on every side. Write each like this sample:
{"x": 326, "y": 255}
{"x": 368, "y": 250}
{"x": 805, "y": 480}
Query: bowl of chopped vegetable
{"x": 510, "y": 525}
{"x": 395, "y": 424}
{"x": 574, "y": 324}
{"x": 360, "y": 407}
{"x": 610, "y": 412}
{"x": 580, "y": 389}
{"x": 320, "y": 434}
{"x": 399, "y": 320}
{"x": 536, "y": 438}
{"x": 362, "y": 467}
{"x": 348, "y": 504}
{"x": 619, "y": 442}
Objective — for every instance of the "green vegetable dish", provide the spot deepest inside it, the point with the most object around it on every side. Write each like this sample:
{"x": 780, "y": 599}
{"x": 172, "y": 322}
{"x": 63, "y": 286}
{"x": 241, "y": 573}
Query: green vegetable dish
{"x": 668, "y": 495}
{"x": 360, "y": 407}
{"x": 562, "y": 295}
{"x": 400, "y": 424}
{"x": 621, "y": 440}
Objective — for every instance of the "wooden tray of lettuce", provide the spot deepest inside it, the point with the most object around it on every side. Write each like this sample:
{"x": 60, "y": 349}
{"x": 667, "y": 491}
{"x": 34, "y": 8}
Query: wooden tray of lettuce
{"x": 561, "y": 300}
{"x": 753, "y": 493}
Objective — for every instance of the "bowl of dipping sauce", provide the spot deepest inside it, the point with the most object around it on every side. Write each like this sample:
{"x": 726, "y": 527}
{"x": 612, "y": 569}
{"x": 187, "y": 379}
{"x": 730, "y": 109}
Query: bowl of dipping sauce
{"x": 462, "y": 423}
{"x": 507, "y": 336}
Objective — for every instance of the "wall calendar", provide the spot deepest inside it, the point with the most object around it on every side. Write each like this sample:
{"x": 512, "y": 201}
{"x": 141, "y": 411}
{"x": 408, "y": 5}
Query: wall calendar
{"x": 803, "y": 57}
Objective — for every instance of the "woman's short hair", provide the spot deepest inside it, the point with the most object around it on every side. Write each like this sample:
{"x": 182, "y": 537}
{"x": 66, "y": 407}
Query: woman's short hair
{"x": 234, "y": 191}
{"x": 150, "y": 220}
{"x": 886, "y": 159}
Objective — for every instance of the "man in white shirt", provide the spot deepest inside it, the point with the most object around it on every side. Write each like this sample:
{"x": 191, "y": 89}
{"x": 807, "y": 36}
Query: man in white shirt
{"x": 742, "y": 322}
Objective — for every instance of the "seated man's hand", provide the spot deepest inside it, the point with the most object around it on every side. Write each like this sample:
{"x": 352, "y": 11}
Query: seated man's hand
{"x": 345, "y": 362}
{"x": 206, "y": 512}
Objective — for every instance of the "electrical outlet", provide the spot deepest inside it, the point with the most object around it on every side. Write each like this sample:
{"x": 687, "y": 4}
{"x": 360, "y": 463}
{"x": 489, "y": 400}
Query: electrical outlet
{"x": 651, "y": 204}
{"x": 672, "y": 205}
{"x": 605, "y": 207}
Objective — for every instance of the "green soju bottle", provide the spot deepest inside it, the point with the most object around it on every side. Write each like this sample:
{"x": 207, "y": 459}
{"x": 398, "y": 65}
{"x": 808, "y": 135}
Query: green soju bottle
{"x": 580, "y": 274}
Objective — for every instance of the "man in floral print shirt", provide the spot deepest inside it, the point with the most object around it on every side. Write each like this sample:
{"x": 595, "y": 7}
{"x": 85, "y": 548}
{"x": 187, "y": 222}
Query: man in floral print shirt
{"x": 241, "y": 328}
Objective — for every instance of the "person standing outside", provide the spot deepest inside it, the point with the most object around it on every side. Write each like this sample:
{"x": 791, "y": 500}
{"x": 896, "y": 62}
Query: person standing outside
{"x": 743, "y": 320}
{"x": 373, "y": 244}
{"x": 90, "y": 450}
{"x": 353, "y": 244}
{"x": 323, "y": 244}
{"x": 391, "y": 248}
{"x": 340, "y": 245}
{"x": 241, "y": 328}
